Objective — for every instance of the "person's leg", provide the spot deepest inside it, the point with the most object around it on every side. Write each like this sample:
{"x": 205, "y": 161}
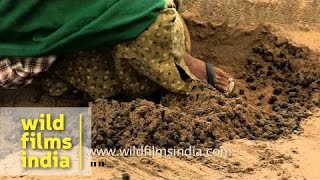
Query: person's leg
{"x": 161, "y": 53}
{"x": 91, "y": 72}
{"x": 133, "y": 82}
{"x": 198, "y": 67}
{"x": 158, "y": 53}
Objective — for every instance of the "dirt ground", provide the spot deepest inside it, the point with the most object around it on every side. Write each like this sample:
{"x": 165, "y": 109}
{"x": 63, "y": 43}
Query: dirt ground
{"x": 294, "y": 157}
{"x": 271, "y": 124}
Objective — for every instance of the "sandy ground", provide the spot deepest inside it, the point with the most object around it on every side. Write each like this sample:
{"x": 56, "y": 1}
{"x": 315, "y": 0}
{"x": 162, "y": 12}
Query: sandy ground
{"x": 295, "y": 157}
{"x": 248, "y": 12}
{"x": 303, "y": 35}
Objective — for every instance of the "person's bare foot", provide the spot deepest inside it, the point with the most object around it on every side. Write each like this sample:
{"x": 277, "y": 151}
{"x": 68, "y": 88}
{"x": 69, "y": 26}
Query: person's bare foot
{"x": 198, "y": 68}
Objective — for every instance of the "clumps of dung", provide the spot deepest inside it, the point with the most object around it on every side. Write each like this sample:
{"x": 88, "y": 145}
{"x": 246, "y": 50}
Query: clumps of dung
{"x": 204, "y": 119}
{"x": 277, "y": 68}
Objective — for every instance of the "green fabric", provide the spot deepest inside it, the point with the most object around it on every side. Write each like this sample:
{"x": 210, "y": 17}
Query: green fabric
{"x": 38, "y": 27}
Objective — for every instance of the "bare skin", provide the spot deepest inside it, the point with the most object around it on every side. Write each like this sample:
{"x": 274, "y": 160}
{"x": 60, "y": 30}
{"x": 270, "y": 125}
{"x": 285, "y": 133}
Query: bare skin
{"x": 198, "y": 68}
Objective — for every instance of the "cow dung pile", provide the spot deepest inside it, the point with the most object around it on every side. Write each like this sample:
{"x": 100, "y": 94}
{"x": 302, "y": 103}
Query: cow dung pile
{"x": 273, "y": 98}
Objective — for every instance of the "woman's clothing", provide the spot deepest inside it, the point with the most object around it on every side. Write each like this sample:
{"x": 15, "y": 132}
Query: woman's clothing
{"x": 136, "y": 68}
{"x": 36, "y": 28}
{"x": 20, "y": 72}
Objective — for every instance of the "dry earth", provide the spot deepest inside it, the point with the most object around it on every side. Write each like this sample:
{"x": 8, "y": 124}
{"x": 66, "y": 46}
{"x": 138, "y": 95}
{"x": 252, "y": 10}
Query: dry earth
{"x": 295, "y": 157}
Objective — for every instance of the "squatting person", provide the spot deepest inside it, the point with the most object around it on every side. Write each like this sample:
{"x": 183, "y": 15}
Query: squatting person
{"x": 149, "y": 41}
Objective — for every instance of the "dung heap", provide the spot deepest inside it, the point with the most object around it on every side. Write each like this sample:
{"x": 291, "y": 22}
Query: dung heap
{"x": 203, "y": 119}
{"x": 278, "y": 86}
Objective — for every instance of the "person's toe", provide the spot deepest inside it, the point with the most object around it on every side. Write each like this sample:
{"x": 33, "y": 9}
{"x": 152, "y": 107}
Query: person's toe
{"x": 222, "y": 80}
